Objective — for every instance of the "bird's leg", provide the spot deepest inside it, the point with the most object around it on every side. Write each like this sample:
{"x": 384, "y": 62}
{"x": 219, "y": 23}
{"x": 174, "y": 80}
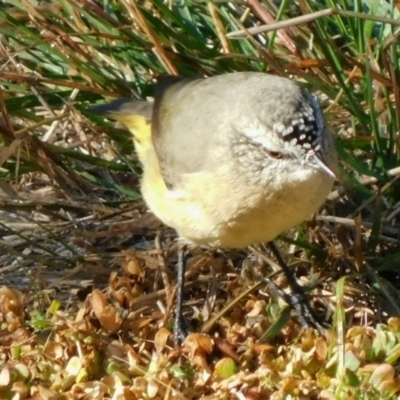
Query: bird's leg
{"x": 298, "y": 300}
{"x": 180, "y": 328}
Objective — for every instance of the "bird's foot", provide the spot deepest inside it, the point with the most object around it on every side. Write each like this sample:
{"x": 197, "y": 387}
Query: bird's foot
{"x": 298, "y": 301}
{"x": 305, "y": 313}
{"x": 181, "y": 331}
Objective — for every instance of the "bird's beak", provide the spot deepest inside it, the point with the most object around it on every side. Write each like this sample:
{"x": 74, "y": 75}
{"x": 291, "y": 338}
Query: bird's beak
{"x": 315, "y": 161}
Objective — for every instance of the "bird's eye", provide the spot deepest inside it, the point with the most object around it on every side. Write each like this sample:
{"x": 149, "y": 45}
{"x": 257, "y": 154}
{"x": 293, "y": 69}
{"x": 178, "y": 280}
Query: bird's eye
{"x": 275, "y": 154}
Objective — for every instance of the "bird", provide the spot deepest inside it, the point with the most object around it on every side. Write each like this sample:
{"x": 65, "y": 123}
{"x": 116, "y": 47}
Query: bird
{"x": 230, "y": 160}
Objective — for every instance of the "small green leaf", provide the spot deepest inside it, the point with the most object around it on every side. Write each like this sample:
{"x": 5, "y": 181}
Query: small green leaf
{"x": 225, "y": 368}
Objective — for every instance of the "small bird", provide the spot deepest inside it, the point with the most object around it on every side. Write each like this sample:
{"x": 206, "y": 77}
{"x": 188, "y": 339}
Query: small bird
{"x": 229, "y": 161}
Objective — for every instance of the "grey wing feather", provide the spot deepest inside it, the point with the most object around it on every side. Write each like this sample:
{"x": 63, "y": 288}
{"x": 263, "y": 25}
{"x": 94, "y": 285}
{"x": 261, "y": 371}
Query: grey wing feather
{"x": 188, "y": 123}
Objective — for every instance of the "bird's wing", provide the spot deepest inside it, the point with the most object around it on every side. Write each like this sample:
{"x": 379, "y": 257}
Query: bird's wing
{"x": 190, "y": 124}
